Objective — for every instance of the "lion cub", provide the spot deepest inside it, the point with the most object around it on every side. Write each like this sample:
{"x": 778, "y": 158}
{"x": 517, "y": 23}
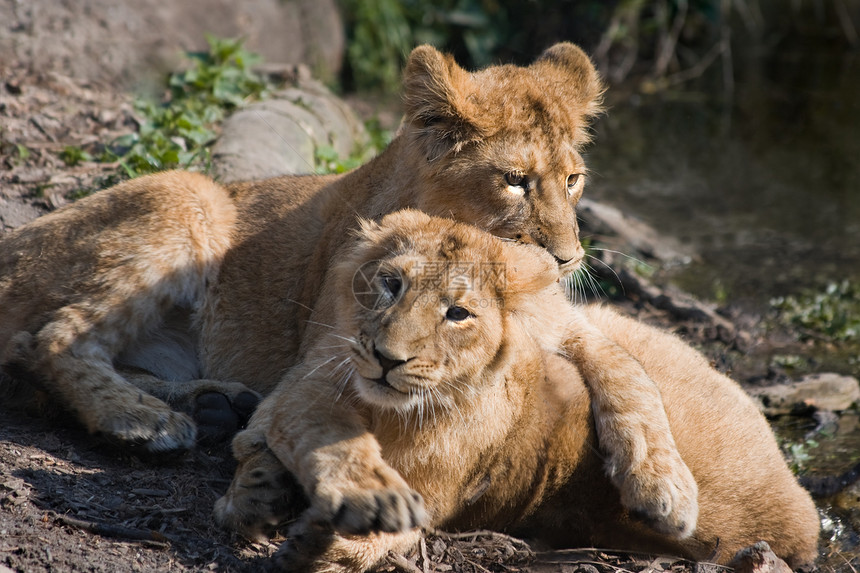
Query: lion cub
{"x": 451, "y": 400}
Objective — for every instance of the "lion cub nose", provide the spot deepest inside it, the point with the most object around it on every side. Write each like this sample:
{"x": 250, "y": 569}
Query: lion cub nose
{"x": 387, "y": 363}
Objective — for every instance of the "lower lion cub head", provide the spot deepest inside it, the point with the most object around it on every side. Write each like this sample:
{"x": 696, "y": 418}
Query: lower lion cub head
{"x": 500, "y": 148}
{"x": 425, "y": 305}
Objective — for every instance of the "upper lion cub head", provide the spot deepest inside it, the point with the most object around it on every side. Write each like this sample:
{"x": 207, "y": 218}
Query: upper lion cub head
{"x": 425, "y": 304}
{"x": 500, "y": 147}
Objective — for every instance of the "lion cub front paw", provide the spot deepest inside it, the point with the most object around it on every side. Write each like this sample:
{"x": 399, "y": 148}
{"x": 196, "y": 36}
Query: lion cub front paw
{"x": 663, "y": 494}
{"x": 306, "y": 549}
{"x": 390, "y": 510}
{"x": 315, "y": 546}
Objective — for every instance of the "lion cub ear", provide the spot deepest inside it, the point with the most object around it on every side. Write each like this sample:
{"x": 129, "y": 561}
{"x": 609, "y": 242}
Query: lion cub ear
{"x": 583, "y": 83}
{"x": 528, "y": 268}
{"x": 435, "y": 90}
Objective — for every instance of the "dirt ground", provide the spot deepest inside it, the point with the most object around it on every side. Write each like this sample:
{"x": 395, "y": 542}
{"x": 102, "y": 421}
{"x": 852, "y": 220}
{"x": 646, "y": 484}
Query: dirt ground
{"x": 68, "y": 503}
{"x": 71, "y": 503}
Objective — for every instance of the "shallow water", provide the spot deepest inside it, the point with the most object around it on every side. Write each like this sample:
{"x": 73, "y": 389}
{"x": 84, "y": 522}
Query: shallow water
{"x": 830, "y": 449}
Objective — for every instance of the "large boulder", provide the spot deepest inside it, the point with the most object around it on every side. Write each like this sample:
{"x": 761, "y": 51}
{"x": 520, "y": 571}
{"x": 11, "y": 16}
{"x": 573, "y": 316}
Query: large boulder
{"x": 280, "y": 135}
{"x": 133, "y": 42}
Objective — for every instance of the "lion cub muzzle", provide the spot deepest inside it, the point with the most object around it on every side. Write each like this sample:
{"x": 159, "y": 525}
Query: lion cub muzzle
{"x": 387, "y": 364}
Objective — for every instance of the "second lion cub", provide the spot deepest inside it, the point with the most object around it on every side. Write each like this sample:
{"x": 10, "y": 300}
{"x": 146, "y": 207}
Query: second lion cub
{"x": 451, "y": 400}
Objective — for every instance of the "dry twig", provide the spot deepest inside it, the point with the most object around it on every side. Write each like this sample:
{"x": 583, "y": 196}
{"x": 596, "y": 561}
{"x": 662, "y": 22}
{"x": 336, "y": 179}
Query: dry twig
{"x": 116, "y": 531}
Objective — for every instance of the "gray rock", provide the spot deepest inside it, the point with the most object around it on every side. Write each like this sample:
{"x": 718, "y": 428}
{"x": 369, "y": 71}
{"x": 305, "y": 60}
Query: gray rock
{"x": 260, "y": 143}
{"x": 343, "y": 129}
{"x": 826, "y": 391}
{"x": 133, "y": 42}
{"x": 279, "y": 136}
{"x": 14, "y": 213}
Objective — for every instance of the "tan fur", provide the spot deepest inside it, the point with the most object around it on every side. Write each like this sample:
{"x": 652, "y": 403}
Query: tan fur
{"x": 488, "y": 417}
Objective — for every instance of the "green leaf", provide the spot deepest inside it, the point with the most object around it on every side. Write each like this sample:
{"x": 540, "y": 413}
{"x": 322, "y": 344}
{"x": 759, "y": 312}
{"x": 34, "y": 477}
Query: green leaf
{"x": 72, "y": 155}
{"x": 23, "y": 152}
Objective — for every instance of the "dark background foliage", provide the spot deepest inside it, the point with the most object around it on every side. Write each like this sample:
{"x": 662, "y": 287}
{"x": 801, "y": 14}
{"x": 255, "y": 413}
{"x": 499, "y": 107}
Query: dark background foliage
{"x": 655, "y": 38}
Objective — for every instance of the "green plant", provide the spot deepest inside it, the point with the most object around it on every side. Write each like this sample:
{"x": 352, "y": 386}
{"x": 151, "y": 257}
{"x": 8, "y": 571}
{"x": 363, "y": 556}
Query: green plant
{"x": 13, "y": 153}
{"x": 23, "y": 152}
{"x": 798, "y": 454}
{"x": 833, "y": 313}
{"x": 379, "y": 136}
{"x": 788, "y": 361}
{"x": 328, "y": 161}
{"x": 382, "y": 33}
{"x": 72, "y": 155}
{"x": 178, "y": 131}
{"x": 721, "y": 293}
{"x": 381, "y": 36}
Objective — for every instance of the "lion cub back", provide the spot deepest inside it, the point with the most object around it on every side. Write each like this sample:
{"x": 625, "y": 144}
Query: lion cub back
{"x": 116, "y": 257}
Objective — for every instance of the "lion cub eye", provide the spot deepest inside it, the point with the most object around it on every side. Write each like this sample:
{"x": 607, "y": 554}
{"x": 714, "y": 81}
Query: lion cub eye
{"x": 392, "y": 285}
{"x": 457, "y": 314}
{"x": 572, "y": 181}
{"x": 516, "y": 182}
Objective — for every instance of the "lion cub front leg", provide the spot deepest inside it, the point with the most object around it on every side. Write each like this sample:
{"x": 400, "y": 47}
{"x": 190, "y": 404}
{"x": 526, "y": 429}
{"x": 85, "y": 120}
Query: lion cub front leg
{"x": 264, "y": 495}
{"x": 360, "y": 507}
{"x": 348, "y": 483}
{"x": 642, "y": 459}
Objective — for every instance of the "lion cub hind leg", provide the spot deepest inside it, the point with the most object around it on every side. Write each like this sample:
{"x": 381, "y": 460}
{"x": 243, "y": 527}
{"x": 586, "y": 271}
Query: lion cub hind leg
{"x": 75, "y": 366}
{"x": 168, "y": 356}
{"x": 87, "y": 281}
{"x": 633, "y": 430}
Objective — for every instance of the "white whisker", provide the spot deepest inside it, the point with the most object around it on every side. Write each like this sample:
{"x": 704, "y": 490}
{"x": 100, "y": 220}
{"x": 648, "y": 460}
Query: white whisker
{"x": 632, "y": 258}
{"x": 300, "y": 304}
{"x": 319, "y": 323}
{"x": 350, "y": 340}
{"x": 611, "y": 269}
{"x": 343, "y": 383}
{"x": 318, "y": 366}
